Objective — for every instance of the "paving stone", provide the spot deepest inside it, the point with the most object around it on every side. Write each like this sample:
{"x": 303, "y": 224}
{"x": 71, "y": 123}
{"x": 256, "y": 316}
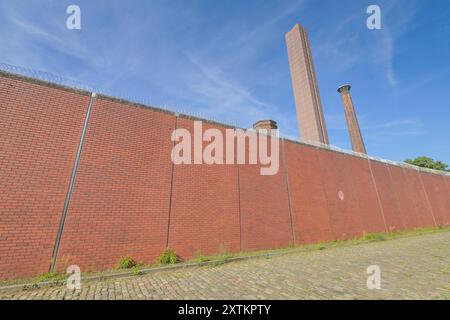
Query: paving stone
{"x": 411, "y": 268}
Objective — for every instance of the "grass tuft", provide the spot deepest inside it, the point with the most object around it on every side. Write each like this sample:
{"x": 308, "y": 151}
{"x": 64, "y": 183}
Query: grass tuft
{"x": 373, "y": 237}
{"x": 127, "y": 263}
{"x": 168, "y": 257}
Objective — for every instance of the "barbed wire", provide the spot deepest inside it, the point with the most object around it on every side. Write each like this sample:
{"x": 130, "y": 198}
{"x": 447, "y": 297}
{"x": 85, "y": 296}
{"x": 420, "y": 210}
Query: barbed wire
{"x": 116, "y": 94}
{"x": 44, "y": 76}
{"x": 113, "y": 93}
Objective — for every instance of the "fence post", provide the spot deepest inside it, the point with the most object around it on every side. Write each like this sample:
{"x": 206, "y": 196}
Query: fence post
{"x": 171, "y": 188}
{"x": 286, "y": 177}
{"x": 426, "y": 196}
{"x": 374, "y": 182}
{"x": 239, "y": 206}
{"x": 71, "y": 185}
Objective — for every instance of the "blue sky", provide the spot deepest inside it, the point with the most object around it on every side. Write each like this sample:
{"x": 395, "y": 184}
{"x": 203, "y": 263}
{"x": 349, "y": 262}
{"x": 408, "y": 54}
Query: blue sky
{"x": 227, "y": 60}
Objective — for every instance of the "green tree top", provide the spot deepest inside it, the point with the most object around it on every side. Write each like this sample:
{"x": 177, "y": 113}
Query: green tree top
{"x": 429, "y": 163}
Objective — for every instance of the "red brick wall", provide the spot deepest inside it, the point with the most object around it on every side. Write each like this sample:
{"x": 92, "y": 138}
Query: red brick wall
{"x": 407, "y": 207}
{"x": 344, "y": 215}
{"x": 121, "y": 198}
{"x": 264, "y": 208}
{"x": 418, "y": 198}
{"x": 40, "y": 128}
{"x": 308, "y": 199}
{"x": 205, "y": 207}
{"x": 439, "y": 197}
{"x": 120, "y": 201}
{"x": 366, "y": 198}
{"x": 388, "y": 196}
{"x": 446, "y": 196}
{"x": 447, "y": 179}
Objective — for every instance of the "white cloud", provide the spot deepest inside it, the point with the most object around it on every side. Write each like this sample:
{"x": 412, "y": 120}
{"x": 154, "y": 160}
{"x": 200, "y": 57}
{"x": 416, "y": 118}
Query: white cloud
{"x": 397, "y": 127}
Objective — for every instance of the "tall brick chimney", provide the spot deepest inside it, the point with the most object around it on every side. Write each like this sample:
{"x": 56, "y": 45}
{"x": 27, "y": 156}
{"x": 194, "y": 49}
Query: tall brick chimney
{"x": 306, "y": 91}
{"x": 268, "y": 127}
{"x": 352, "y": 121}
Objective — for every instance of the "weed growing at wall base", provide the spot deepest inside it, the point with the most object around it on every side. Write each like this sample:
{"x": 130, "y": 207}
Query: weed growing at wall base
{"x": 127, "y": 263}
{"x": 168, "y": 257}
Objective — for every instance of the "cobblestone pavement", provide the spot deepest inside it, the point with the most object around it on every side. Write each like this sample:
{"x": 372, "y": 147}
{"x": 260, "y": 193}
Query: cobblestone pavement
{"x": 411, "y": 268}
